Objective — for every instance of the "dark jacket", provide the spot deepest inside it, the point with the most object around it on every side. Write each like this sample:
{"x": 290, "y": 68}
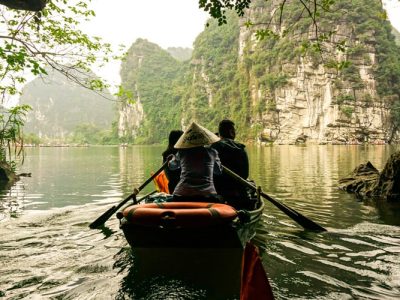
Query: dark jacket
{"x": 233, "y": 156}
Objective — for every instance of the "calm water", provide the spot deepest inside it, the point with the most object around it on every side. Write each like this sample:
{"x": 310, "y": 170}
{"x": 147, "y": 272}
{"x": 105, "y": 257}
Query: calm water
{"x": 48, "y": 252}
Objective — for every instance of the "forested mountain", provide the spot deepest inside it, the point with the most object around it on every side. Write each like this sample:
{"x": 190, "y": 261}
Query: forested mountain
{"x": 156, "y": 80}
{"x": 343, "y": 90}
{"x": 59, "y": 107}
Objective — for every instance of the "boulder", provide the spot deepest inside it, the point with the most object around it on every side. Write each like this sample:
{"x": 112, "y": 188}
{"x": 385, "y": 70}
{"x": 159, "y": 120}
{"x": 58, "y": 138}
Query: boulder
{"x": 367, "y": 182}
{"x": 388, "y": 184}
{"x": 361, "y": 180}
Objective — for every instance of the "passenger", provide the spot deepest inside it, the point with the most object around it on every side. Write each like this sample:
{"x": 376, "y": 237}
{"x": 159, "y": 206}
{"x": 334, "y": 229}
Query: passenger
{"x": 233, "y": 156}
{"x": 198, "y": 164}
{"x": 172, "y": 175}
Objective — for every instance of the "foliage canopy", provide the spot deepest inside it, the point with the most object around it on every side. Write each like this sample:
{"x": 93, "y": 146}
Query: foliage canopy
{"x": 31, "y": 42}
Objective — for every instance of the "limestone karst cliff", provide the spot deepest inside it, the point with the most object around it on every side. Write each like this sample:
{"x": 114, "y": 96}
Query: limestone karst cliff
{"x": 278, "y": 90}
{"x": 312, "y": 95}
{"x": 155, "y": 78}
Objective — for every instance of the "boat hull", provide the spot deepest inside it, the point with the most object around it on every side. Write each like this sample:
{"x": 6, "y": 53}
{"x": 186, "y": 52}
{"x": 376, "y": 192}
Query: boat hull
{"x": 208, "y": 257}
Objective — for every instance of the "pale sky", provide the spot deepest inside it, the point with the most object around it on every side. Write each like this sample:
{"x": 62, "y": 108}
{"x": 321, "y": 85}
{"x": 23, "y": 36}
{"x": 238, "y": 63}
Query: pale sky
{"x": 393, "y": 10}
{"x": 168, "y": 23}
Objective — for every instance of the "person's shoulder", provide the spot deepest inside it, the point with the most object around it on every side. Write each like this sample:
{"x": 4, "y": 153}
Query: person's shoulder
{"x": 217, "y": 145}
{"x": 211, "y": 149}
{"x": 239, "y": 145}
{"x": 233, "y": 144}
{"x": 228, "y": 145}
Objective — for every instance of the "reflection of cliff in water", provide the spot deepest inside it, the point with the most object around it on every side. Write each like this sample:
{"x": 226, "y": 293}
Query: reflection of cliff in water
{"x": 178, "y": 274}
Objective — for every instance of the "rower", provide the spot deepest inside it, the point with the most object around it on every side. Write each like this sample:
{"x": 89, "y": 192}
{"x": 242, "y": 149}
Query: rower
{"x": 198, "y": 163}
{"x": 233, "y": 156}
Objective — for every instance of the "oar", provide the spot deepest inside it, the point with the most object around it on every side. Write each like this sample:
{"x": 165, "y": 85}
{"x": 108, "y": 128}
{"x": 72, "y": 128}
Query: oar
{"x": 104, "y": 217}
{"x": 120, "y": 214}
{"x": 305, "y": 222}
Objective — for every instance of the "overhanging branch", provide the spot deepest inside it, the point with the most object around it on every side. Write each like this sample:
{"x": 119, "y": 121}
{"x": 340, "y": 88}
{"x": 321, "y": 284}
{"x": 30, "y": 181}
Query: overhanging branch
{"x": 31, "y": 5}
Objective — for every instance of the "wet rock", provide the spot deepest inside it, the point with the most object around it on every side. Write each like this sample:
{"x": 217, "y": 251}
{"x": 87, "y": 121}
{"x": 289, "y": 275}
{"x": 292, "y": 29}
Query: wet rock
{"x": 301, "y": 139}
{"x": 388, "y": 185}
{"x": 361, "y": 180}
{"x": 367, "y": 182}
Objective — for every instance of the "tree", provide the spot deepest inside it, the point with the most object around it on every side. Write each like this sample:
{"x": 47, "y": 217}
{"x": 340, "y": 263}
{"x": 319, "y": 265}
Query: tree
{"x": 34, "y": 41}
{"x": 40, "y": 34}
{"x": 282, "y": 19}
{"x": 11, "y": 141}
{"x": 33, "y": 5}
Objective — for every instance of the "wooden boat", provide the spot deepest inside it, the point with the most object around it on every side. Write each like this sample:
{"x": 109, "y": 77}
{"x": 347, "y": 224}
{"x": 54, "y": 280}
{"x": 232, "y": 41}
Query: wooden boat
{"x": 201, "y": 244}
{"x": 189, "y": 225}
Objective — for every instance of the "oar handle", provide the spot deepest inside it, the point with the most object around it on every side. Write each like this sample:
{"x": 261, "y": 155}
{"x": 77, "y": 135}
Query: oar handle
{"x": 136, "y": 191}
{"x": 120, "y": 214}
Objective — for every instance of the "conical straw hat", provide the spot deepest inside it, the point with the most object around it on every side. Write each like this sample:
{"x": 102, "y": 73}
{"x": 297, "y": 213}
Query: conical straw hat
{"x": 196, "y": 136}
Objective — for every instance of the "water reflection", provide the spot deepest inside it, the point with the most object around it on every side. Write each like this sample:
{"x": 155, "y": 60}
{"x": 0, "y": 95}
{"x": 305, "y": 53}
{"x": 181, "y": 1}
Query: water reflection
{"x": 306, "y": 179}
{"x": 179, "y": 274}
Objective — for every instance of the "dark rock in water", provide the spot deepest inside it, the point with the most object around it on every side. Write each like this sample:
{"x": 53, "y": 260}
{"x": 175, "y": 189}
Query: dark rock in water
{"x": 8, "y": 176}
{"x": 388, "y": 185}
{"x": 366, "y": 181}
{"x": 361, "y": 180}
{"x": 301, "y": 139}
{"x": 24, "y": 175}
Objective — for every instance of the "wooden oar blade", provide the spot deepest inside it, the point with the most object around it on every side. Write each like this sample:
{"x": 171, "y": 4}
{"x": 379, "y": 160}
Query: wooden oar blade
{"x": 102, "y": 219}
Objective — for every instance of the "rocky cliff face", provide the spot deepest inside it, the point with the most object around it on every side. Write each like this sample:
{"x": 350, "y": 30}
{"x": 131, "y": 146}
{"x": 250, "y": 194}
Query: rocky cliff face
{"x": 150, "y": 73}
{"x": 317, "y": 101}
{"x": 311, "y": 106}
{"x": 130, "y": 118}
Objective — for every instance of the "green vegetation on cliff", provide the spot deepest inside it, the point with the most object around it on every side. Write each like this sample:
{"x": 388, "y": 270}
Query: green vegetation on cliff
{"x": 213, "y": 93}
{"x": 239, "y": 72}
{"x": 154, "y": 77}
